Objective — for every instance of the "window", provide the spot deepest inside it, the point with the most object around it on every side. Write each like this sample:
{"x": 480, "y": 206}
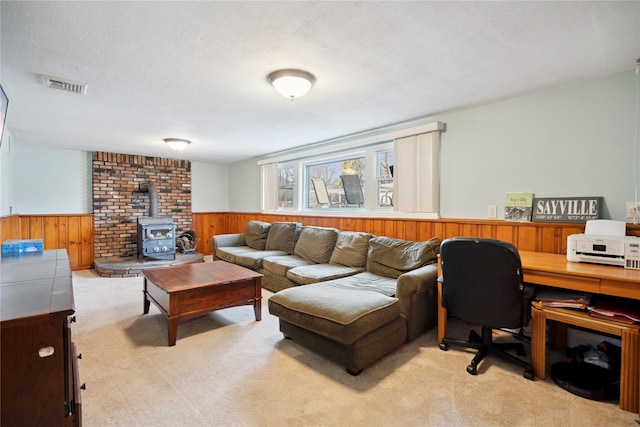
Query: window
{"x": 358, "y": 179}
{"x": 384, "y": 177}
{"x": 386, "y": 173}
{"x": 325, "y": 186}
{"x": 286, "y": 187}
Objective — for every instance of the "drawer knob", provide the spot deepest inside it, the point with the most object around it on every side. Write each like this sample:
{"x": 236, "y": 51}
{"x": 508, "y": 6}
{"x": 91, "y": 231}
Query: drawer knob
{"x": 46, "y": 351}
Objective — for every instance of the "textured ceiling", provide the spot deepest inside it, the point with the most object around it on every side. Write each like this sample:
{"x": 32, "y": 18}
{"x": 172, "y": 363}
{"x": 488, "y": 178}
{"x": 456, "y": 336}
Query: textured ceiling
{"x": 197, "y": 70}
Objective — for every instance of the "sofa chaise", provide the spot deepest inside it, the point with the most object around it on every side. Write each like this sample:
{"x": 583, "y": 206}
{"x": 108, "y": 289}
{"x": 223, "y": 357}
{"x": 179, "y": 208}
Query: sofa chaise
{"x": 351, "y": 296}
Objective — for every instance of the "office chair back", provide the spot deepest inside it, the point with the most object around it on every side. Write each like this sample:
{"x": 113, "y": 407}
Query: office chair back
{"x": 483, "y": 282}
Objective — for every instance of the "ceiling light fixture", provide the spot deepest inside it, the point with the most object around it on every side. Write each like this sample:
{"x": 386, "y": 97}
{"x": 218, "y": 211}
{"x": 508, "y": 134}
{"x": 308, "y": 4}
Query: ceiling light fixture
{"x": 177, "y": 143}
{"x": 291, "y": 83}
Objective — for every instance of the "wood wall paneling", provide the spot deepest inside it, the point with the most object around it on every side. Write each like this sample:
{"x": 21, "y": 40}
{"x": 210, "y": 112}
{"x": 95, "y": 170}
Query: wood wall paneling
{"x": 75, "y": 232}
{"x": 205, "y": 226}
{"x": 9, "y": 228}
{"x": 71, "y": 232}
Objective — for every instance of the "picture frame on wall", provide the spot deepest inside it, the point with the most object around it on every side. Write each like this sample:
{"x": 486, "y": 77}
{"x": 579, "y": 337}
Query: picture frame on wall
{"x": 517, "y": 207}
{"x": 567, "y": 209}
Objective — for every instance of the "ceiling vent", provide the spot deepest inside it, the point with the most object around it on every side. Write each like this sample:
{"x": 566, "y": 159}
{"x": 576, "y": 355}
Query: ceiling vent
{"x": 63, "y": 84}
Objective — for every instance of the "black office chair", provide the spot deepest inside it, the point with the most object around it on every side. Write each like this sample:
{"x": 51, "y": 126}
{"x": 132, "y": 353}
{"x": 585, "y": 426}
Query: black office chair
{"x": 482, "y": 285}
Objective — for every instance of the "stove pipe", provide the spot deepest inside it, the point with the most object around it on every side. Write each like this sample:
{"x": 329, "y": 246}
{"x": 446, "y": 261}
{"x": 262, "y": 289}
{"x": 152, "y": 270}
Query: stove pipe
{"x": 153, "y": 198}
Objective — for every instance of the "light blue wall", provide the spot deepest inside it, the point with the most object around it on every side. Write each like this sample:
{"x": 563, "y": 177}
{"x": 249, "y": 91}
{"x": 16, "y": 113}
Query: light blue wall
{"x": 209, "y": 187}
{"x": 575, "y": 140}
{"x": 244, "y": 186}
{"x": 6, "y": 174}
{"x": 49, "y": 181}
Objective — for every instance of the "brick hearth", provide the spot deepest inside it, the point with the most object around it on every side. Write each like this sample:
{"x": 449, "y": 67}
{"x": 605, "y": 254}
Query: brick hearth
{"x": 132, "y": 267}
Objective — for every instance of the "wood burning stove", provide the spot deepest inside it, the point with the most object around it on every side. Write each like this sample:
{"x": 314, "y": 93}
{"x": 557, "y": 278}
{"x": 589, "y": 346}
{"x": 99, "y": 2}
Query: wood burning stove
{"x": 156, "y": 238}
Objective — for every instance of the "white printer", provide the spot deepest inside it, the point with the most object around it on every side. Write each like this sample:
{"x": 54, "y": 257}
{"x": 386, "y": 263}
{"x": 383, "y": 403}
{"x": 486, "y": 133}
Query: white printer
{"x": 604, "y": 242}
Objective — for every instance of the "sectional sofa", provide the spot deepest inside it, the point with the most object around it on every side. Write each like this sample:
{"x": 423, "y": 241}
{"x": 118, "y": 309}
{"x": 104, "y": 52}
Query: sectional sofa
{"x": 350, "y": 296}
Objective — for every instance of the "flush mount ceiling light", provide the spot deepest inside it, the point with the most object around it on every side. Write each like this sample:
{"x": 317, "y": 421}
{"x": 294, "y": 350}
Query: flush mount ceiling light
{"x": 177, "y": 143}
{"x": 291, "y": 83}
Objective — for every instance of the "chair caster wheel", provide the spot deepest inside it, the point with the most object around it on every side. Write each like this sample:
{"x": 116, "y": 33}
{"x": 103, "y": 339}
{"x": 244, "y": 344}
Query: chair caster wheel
{"x": 528, "y": 374}
{"x": 472, "y": 369}
{"x": 444, "y": 346}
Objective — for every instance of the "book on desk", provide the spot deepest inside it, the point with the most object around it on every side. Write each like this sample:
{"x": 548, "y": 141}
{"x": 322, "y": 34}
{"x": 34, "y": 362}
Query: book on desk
{"x": 563, "y": 299}
{"x": 609, "y": 308}
{"x": 615, "y": 309}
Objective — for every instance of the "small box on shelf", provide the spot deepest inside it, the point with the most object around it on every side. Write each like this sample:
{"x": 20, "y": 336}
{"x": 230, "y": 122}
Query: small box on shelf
{"x": 21, "y": 246}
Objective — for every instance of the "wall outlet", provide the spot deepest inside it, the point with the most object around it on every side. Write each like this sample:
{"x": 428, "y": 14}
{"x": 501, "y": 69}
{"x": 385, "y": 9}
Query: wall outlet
{"x": 492, "y": 211}
{"x": 633, "y": 210}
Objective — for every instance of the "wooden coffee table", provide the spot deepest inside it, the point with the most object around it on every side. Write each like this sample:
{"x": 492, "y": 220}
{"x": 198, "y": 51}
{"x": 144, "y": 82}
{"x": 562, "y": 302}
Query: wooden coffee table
{"x": 186, "y": 291}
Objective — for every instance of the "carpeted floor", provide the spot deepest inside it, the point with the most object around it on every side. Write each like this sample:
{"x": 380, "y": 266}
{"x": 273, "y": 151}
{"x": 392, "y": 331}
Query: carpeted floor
{"x": 229, "y": 370}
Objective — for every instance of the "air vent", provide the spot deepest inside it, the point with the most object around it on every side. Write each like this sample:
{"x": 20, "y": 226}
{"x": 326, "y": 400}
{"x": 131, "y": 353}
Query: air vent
{"x": 63, "y": 84}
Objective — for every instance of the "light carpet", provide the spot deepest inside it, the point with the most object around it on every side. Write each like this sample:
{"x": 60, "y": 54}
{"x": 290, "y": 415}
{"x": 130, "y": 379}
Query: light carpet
{"x": 227, "y": 369}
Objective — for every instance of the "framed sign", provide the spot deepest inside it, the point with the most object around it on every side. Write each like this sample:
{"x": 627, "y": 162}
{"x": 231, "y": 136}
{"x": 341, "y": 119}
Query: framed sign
{"x": 567, "y": 209}
{"x": 517, "y": 207}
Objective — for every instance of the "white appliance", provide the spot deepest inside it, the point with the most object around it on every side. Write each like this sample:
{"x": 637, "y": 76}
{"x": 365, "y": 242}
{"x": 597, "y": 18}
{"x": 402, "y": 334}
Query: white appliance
{"x": 604, "y": 242}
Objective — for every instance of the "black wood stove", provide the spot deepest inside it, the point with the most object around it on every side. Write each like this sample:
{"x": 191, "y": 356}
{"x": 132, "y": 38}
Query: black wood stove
{"x": 156, "y": 238}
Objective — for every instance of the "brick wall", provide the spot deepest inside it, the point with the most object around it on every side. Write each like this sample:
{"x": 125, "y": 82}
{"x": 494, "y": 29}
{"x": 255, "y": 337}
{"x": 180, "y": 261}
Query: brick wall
{"x": 118, "y": 201}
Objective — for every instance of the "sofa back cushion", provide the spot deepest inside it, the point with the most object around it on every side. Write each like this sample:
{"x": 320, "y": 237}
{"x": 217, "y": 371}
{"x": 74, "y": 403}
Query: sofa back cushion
{"x": 282, "y": 236}
{"x": 316, "y": 244}
{"x": 391, "y": 257}
{"x": 255, "y": 234}
{"x": 351, "y": 249}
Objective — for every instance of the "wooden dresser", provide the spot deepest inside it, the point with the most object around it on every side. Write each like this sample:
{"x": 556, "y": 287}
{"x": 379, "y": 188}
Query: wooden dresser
{"x": 39, "y": 370}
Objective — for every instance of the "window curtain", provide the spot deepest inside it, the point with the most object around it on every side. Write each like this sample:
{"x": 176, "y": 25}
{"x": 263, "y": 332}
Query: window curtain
{"x": 416, "y": 183}
{"x": 269, "y": 191}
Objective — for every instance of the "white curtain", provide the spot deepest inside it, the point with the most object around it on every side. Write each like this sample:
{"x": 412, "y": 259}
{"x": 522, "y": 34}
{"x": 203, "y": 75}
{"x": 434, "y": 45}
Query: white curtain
{"x": 416, "y": 182}
{"x": 269, "y": 186}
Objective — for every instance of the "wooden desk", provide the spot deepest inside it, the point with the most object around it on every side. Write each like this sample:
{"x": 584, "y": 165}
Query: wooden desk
{"x": 554, "y": 270}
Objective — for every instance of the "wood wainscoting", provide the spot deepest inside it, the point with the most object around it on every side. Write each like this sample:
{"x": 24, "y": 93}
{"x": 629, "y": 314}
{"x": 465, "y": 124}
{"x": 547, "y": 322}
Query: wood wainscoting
{"x": 542, "y": 237}
{"x": 74, "y": 232}
{"x": 526, "y": 236}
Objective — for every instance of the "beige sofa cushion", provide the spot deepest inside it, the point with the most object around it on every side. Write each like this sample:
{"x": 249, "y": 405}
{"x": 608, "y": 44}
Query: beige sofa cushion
{"x": 370, "y": 281}
{"x": 351, "y": 249}
{"x": 282, "y": 236}
{"x": 253, "y": 259}
{"x": 391, "y": 257}
{"x": 229, "y": 253}
{"x": 343, "y": 315}
{"x": 314, "y": 273}
{"x": 281, "y": 264}
{"x": 316, "y": 244}
{"x": 255, "y": 234}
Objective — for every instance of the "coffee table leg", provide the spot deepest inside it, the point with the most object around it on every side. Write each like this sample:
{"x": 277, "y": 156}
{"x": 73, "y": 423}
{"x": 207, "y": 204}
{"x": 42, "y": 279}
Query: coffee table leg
{"x": 257, "y": 302}
{"x": 257, "y": 309}
{"x": 173, "y": 330}
{"x": 146, "y": 302}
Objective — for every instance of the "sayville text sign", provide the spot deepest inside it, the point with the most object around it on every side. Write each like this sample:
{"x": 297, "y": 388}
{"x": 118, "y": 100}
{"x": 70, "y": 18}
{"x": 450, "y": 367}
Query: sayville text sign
{"x": 567, "y": 209}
